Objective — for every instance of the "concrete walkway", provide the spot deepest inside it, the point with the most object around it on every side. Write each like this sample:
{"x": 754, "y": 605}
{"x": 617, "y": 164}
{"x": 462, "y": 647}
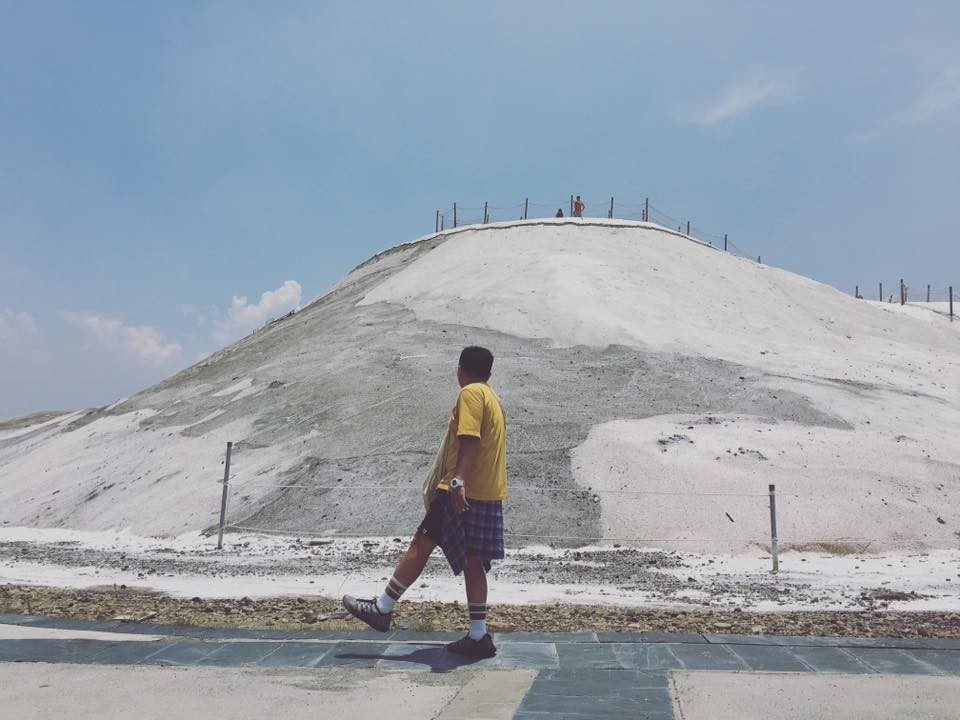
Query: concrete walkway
{"x": 245, "y": 673}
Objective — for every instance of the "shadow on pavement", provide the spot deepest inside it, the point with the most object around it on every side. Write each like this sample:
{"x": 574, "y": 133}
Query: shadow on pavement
{"x": 438, "y": 659}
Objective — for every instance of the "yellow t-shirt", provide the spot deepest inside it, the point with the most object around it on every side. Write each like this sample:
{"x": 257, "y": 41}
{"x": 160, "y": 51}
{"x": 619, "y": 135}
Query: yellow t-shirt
{"x": 478, "y": 413}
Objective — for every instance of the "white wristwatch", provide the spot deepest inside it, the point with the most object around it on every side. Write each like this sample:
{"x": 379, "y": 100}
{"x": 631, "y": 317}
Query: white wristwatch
{"x": 456, "y": 484}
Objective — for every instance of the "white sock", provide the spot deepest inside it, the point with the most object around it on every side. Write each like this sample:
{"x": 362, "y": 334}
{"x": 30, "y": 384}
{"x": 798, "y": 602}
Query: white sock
{"x": 385, "y": 603}
{"x": 390, "y": 595}
{"x": 478, "y": 620}
{"x": 478, "y": 628}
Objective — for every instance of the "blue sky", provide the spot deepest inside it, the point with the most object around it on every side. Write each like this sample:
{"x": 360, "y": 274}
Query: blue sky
{"x": 174, "y": 174}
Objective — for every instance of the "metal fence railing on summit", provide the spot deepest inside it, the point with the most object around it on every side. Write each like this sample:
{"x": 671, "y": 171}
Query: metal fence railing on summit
{"x": 938, "y": 299}
{"x": 457, "y": 216}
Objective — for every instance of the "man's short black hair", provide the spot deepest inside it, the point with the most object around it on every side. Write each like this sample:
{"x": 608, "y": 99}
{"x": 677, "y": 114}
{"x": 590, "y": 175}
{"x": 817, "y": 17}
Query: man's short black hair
{"x": 477, "y": 362}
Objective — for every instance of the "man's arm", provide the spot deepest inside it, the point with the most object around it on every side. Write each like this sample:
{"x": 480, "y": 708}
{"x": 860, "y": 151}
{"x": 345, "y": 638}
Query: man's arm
{"x": 466, "y": 460}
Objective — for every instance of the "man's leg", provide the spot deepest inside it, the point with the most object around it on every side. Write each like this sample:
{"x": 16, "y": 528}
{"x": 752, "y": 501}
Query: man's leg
{"x": 475, "y": 576}
{"x": 377, "y": 612}
{"x": 478, "y": 642}
{"x": 412, "y": 563}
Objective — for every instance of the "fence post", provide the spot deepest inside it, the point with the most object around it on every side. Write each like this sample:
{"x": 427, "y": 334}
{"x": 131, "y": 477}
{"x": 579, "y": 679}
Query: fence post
{"x": 437, "y": 223}
{"x": 774, "y": 544}
{"x": 526, "y": 204}
{"x": 442, "y": 220}
{"x": 724, "y": 242}
{"x": 486, "y": 215}
{"x": 881, "y": 292}
{"x": 951, "y": 303}
{"x": 856, "y": 291}
{"x": 903, "y": 293}
{"x": 758, "y": 260}
{"x": 928, "y": 292}
{"x": 688, "y": 228}
{"x": 571, "y": 206}
{"x": 646, "y": 209}
{"x": 223, "y": 499}
{"x": 610, "y": 213}
{"x": 454, "y": 214}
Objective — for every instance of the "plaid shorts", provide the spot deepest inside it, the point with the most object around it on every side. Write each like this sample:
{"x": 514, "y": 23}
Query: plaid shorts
{"x": 475, "y": 533}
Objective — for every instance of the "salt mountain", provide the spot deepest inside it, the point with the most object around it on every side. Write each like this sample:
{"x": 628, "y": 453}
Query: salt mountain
{"x": 654, "y": 387}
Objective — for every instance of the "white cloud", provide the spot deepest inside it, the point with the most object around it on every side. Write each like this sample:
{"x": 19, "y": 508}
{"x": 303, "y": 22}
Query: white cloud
{"x": 142, "y": 342}
{"x": 741, "y": 99}
{"x": 940, "y": 98}
{"x": 243, "y": 317}
{"x": 16, "y": 327}
{"x": 200, "y": 317}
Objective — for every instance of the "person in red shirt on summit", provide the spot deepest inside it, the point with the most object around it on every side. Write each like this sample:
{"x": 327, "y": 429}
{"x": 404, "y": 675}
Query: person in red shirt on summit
{"x": 578, "y": 207}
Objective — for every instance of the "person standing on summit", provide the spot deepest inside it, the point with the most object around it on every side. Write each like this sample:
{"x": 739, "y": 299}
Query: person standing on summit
{"x": 578, "y": 207}
{"x": 465, "y": 512}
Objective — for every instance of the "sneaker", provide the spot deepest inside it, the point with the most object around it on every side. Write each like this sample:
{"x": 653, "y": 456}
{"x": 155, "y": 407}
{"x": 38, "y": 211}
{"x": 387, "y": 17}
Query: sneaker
{"x": 482, "y": 648}
{"x": 367, "y": 611}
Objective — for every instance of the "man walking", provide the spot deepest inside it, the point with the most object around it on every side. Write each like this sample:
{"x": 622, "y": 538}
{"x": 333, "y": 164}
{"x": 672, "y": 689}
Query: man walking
{"x": 466, "y": 517}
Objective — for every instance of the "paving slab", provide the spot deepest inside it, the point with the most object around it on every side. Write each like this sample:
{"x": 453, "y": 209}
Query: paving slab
{"x": 434, "y": 657}
{"x": 37, "y": 632}
{"x": 289, "y": 655}
{"x": 663, "y": 637}
{"x": 769, "y": 658}
{"x": 800, "y": 641}
{"x": 544, "y": 637}
{"x": 707, "y": 657}
{"x": 649, "y": 656}
{"x": 238, "y": 654}
{"x": 489, "y": 695}
{"x": 235, "y": 634}
{"x": 726, "y": 639}
{"x": 355, "y": 654}
{"x": 945, "y": 660}
{"x": 74, "y": 624}
{"x": 328, "y": 635}
{"x": 425, "y": 637}
{"x": 186, "y": 652}
{"x": 893, "y": 661}
{"x": 127, "y": 653}
{"x": 60, "y": 650}
{"x": 539, "y": 655}
{"x": 830, "y": 659}
{"x": 902, "y": 643}
{"x": 813, "y": 696}
{"x": 88, "y": 692}
{"x": 649, "y": 699}
{"x": 567, "y": 682}
{"x": 586, "y": 656}
{"x": 616, "y": 636}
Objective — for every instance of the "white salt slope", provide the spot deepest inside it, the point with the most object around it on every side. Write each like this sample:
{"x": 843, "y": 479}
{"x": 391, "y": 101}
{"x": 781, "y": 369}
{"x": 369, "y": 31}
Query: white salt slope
{"x": 890, "y": 372}
{"x": 156, "y": 481}
{"x": 639, "y": 285}
{"x": 702, "y": 487}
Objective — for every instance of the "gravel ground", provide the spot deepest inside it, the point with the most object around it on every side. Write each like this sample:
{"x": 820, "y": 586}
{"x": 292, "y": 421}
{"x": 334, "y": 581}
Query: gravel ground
{"x": 618, "y": 575}
{"x": 307, "y": 613}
